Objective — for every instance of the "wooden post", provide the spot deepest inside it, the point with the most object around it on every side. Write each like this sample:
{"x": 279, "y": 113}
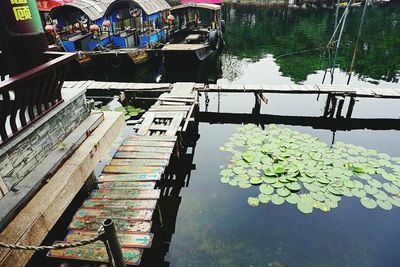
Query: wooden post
{"x": 327, "y": 105}
{"x": 340, "y": 106}
{"x": 257, "y": 105}
{"x": 112, "y": 239}
{"x": 333, "y": 107}
{"x": 351, "y": 107}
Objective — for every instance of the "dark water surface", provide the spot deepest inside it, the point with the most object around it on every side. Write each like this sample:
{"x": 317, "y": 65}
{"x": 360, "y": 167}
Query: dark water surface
{"x": 215, "y": 226}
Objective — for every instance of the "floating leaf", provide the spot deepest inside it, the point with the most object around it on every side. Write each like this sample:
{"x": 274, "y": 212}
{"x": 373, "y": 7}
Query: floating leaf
{"x": 368, "y": 203}
{"x": 269, "y": 172}
{"x": 293, "y": 186}
{"x": 375, "y": 183}
{"x": 283, "y": 192}
{"x": 248, "y": 156}
{"x": 264, "y": 198}
{"x": 279, "y": 169}
{"x": 384, "y": 204}
{"x": 255, "y": 181}
{"x": 239, "y": 170}
{"x": 244, "y": 184}
{"x": 391, "y": 188}
{"x": 277, "y": 200}
{"x": 266, "y": 189}
{"x": 305, "y": 204}
{"x": 292, "y": 198}
{"x": 253, "y": 201}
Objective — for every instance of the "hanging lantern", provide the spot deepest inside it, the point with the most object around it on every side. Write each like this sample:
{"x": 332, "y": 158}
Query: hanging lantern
{"x": 49, "y": 28}
{"x": 77, "y": 25}
{"x": 106, "y": 23}
{"x": 94, "y": 28}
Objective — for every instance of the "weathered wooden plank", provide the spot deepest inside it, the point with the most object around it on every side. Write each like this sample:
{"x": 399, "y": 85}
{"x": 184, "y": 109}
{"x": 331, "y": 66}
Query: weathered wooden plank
{"x": 136, "y": 148}
{"x": 159, "y": 127}
{"x": 169, "y": 108}
{"x": 132, "y": 169}
{"x": 141, "y": 162}
{"x": 115, "y": 213}
{"x": 96, "y": 253}
{"x": 129, "y": 177}
{"x": 179, "y": 100}
{"x": 144, "y": 128}
{"x": 185, "y": 87}
{"x": 125, "y": 194}
{"x": 127, "y": 240}
{"x": 149, "y": 143}
{"x": 166, "y": 114}
{"x": 125, "y": 203}
{"x": 141, "y": 155}
{"x": 127, "y": 185}
{"x": 175, "y": 123}
{"x": 123, "y": 225}
{"x": 152, "y": 138}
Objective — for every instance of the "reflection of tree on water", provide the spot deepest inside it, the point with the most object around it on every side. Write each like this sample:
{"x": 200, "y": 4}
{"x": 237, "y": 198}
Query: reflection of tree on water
{"x": 254, "y": 31}
{"x": 232, "y": 67}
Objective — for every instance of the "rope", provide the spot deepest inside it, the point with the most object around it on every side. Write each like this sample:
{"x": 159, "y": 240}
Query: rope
{"x": 56, "y": 246}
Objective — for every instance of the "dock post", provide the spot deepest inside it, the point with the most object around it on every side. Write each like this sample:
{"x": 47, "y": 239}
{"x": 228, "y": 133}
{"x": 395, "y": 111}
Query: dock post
{"x": 340, "y": 106}
{"x": 333, "y": 107}
{"x": 351, "y": 107}
{"x": 257, "y": 105}
{"x": 328, "y": 104}
{"x": 112, "y": 238}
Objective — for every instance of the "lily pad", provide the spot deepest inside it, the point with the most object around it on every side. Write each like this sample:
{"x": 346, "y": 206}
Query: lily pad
{"x": 391, "y": 188}
{"x": 266, "y": 189}
{"x": 305, "y": 205}
{"x": 283, "y": 192}
{"x": 277, "y": 199}
{"x": 384, "y": 204}
{"x": 375, "y": 183}
{"x": 279, "y": 169}
{"x": 253, "y": 201}
{"x": 263, "y": 198}
{"x": 239, "y": 170}
{"x": 369, "y": 203}
{"x": 293, "y": 186}
{"x": 244, "y": 184}
{"x": 269, "y": 172}
{"x": 255, "y": 181}
{"x": 292, "y": 198}
{"x": 248, "y": 156}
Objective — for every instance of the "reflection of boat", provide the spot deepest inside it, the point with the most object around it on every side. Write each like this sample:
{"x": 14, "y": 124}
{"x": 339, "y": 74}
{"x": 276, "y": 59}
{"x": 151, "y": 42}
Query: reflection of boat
{"x": 197, "y": 33}
{"x": 110, "y": 31}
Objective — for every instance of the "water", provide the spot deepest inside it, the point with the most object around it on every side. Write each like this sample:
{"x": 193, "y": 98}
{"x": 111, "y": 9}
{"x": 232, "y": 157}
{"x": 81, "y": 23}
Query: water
{"x": 214, "y": 225}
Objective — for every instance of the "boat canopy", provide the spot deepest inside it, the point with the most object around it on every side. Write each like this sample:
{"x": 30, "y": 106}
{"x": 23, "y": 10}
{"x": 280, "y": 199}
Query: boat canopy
{"x": 94, "y": 9}
{"x": 197, "y": 5}
{"x": 218, "y": 2}
{"x": 148, "y": 6}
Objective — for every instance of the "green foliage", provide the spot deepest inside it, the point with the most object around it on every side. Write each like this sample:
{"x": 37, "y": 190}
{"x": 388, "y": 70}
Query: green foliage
{"x": 129, "y": 111}
{"x": 306, "y": 172}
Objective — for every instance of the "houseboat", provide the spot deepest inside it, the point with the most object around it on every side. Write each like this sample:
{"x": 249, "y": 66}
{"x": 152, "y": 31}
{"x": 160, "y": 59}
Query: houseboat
{"x": 196, "y": 34}
{"x": 110, "y": 31}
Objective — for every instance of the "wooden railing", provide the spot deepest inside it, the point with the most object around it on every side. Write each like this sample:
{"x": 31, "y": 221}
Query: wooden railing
{"x": 28, "y": 96}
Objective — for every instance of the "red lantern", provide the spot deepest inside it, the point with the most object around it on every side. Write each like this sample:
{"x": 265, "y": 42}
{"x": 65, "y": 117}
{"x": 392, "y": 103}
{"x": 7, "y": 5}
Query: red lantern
{"x": 94, "y": 28}
{"x": 171, "y": 18}
{"x": 77, "y": 25}
{"x": 49, "y": 28}
{"x": 106, "y": 23}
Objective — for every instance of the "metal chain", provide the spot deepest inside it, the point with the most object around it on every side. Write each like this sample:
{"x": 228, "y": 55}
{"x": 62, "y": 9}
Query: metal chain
{"x": 56, "y": 246}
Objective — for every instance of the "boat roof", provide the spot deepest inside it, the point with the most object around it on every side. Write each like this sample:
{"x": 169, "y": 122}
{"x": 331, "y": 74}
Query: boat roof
{"x": 148, "y": 6}
{"x": 197, "y": 5}
{"x": 94, "y": 9}
{"x": 219, "y": 2}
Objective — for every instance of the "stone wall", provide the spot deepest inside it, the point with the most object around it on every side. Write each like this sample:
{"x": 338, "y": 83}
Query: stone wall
{"x": 29, "y": 148}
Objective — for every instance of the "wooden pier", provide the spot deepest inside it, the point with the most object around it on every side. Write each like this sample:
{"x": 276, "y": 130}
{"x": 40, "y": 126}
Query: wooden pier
{"x": 336, "y": 94}
{"x": 126, "y": 188}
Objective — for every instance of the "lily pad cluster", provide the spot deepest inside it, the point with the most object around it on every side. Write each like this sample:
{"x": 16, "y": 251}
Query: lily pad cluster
{"x": 297, "y": 168}
{"x": 129, "y": 111}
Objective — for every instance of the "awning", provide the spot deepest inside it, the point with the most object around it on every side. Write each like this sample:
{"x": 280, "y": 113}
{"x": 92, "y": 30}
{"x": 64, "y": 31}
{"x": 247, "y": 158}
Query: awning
{"x": 94, "y": 9}
{"x": 148, "y": 6}
{"x": 197, "y": 5}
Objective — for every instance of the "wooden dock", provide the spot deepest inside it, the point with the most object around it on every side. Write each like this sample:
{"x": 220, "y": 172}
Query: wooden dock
{"x": 336, "y": 94}
{"x": 127, "y": 185}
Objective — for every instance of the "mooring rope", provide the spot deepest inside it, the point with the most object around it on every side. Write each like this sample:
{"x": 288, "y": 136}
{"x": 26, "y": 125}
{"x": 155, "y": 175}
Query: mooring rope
{"x": 56, "y": 246}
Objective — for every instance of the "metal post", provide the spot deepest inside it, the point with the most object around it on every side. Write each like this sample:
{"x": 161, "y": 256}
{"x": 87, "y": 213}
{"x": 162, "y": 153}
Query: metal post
{"x": 111, "y": 236}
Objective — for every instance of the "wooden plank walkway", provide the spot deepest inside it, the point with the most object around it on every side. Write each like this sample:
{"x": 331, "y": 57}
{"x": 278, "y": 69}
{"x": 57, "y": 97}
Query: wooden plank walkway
{"x": 233, "y": 88}
{"x": 126, "y": 190}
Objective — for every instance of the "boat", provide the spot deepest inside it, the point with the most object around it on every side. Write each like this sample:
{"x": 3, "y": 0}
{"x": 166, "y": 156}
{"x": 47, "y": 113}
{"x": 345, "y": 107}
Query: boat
{"x": 196, "y": 33}
{"x": 109, "y": 31}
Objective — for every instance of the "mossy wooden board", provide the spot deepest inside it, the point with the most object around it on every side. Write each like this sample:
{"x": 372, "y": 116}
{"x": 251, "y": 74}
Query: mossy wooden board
{"x": 127, "y": 185}
{"x": 129, "y": 148}
{"x": 134, "y": 177}
{"x": 124, "y": 225}
{"x": 125, "y": 194}
{"x": 141, "y": 162}
{"x": 120, "y": 213}
{"x": 142, "y": 155}
{"x": 132, "y": 169}
{"x": 149, "y": 143}
{"x": 95, "y": 252}
{"x": 127, "y": 204}
{"x": 128, "y": 240}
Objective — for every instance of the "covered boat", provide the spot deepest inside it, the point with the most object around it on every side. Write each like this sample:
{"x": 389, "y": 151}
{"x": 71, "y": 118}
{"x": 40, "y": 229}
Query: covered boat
{"x": 110, "y": 30}
{"x": 196, "y": 34}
